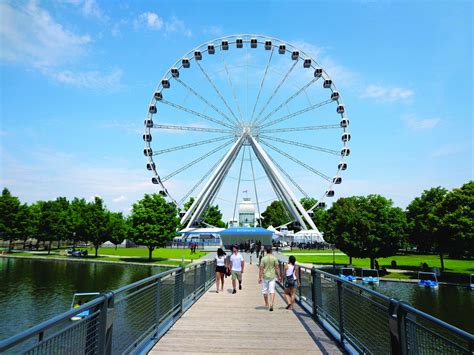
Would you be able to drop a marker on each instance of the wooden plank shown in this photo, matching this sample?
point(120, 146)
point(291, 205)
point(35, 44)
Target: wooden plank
point(240, 324)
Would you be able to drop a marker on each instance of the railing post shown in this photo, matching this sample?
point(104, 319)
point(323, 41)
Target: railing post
point(203, 276)
point(179, 288)
point(401, 320)
point(105, 328)
point(158, 302)
point(300, 289)
point(341, 310)
point(314, 293)
point(195, 281)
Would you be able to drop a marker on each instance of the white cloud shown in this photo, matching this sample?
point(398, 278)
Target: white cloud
point(88, 80)
point(417, 124)
point(153, 21)
point(119, 199)
point(385, 93)
point(341, 74)
point(452, 149)
point(213, 30)
point(31, 37)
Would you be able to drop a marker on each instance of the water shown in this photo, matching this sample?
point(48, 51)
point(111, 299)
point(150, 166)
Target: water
point(32, 291)
point(452, 304)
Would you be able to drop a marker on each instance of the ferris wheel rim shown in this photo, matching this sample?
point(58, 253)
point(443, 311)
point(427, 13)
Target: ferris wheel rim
point(246, 38)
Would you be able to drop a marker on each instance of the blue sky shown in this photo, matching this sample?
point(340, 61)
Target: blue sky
point(77, 76)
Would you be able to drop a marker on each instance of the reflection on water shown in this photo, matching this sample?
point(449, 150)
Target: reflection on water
point(454, 305)
point(32, 291)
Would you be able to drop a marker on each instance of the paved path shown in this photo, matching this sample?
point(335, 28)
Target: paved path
point(227, 323)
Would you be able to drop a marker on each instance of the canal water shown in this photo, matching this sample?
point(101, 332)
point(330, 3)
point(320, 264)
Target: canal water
point(452, 304)
point(32, 291)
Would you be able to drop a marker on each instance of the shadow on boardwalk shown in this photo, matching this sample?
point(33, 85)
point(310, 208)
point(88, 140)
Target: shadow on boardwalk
point(227, 323)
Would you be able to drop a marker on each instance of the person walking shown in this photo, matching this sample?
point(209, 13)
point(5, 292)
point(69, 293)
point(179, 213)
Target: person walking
point(236, 268)
point(268, 271)
point(221, 268)
point(291, 281)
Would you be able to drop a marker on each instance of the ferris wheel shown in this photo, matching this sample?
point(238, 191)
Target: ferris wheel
point(246, 112)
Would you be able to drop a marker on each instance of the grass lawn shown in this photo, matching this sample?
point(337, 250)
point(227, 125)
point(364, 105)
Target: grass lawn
point(310, 251)
point(408, 262)
point(161, 253)
point(107, 258)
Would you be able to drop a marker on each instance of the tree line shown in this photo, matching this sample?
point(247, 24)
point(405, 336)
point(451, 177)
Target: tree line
point(439, 221)
point(152, 222)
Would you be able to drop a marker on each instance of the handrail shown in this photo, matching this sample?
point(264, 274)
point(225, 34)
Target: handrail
point(102, 314)
point(37, 329)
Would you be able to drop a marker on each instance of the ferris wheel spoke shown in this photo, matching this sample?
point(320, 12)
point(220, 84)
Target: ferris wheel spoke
point(288, 176)
point(190, 145)
point(255, 187)
point(299, 162)
point(303, 145)
point(203, 99)
point(297, 113)
point(275, 91)
point(236, 100)
point(238, 183)
point(216, 89)
point(284, 103)
point(261, 85)
point(297, 129)
point(191, 128)
point(195, 161)
point(195, 113)
point(201, 180)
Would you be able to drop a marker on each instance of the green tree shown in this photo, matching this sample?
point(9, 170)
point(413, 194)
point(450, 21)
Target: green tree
point(78, 211)
point(275, 215)
point(420, 233)
point(28, 217)
point(48, 222)
point(153, 222)
point(97, 223)
point(117, 227)
point(9, 209)
point(366, 227)
point(319, 214)
point(452, 223)
point(213, 216)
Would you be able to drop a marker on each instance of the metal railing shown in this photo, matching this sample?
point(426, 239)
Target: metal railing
point(365, 321)
point(128, 320)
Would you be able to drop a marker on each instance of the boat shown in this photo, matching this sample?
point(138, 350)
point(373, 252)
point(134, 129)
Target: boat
point(78, 300)
point(427, 279)
point(370, 276)
point(347, 273)
point(472, 281)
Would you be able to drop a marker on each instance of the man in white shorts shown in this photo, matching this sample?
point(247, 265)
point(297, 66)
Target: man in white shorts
point(236, 268)
point(269, 269)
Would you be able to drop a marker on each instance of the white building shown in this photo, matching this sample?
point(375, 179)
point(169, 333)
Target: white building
point(247, 213)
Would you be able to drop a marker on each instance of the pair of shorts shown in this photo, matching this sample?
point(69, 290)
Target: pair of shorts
point(236, 275)
point(268, 286)
point(221, 269)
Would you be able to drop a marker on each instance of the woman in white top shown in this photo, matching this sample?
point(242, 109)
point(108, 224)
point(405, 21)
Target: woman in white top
point(291, 281)
point(221, 268)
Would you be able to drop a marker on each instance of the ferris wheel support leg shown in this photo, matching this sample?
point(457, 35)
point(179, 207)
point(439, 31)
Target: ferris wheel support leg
point(193, 213)
point(287, 193)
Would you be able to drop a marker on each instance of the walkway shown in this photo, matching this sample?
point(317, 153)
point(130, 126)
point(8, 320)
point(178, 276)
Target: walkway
point(227, 323)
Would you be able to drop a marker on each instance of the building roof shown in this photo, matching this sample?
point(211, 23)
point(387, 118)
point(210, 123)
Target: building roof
point(201, 230)
point(246, 231)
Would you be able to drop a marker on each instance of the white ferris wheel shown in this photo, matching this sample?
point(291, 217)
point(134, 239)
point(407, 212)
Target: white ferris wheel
point(246, 112)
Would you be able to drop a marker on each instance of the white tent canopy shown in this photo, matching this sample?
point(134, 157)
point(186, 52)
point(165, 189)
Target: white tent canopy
point(201, 230)
point(309, 235)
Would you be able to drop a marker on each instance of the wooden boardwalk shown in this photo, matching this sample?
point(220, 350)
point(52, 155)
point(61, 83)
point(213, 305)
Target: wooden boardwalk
point(240, 324)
